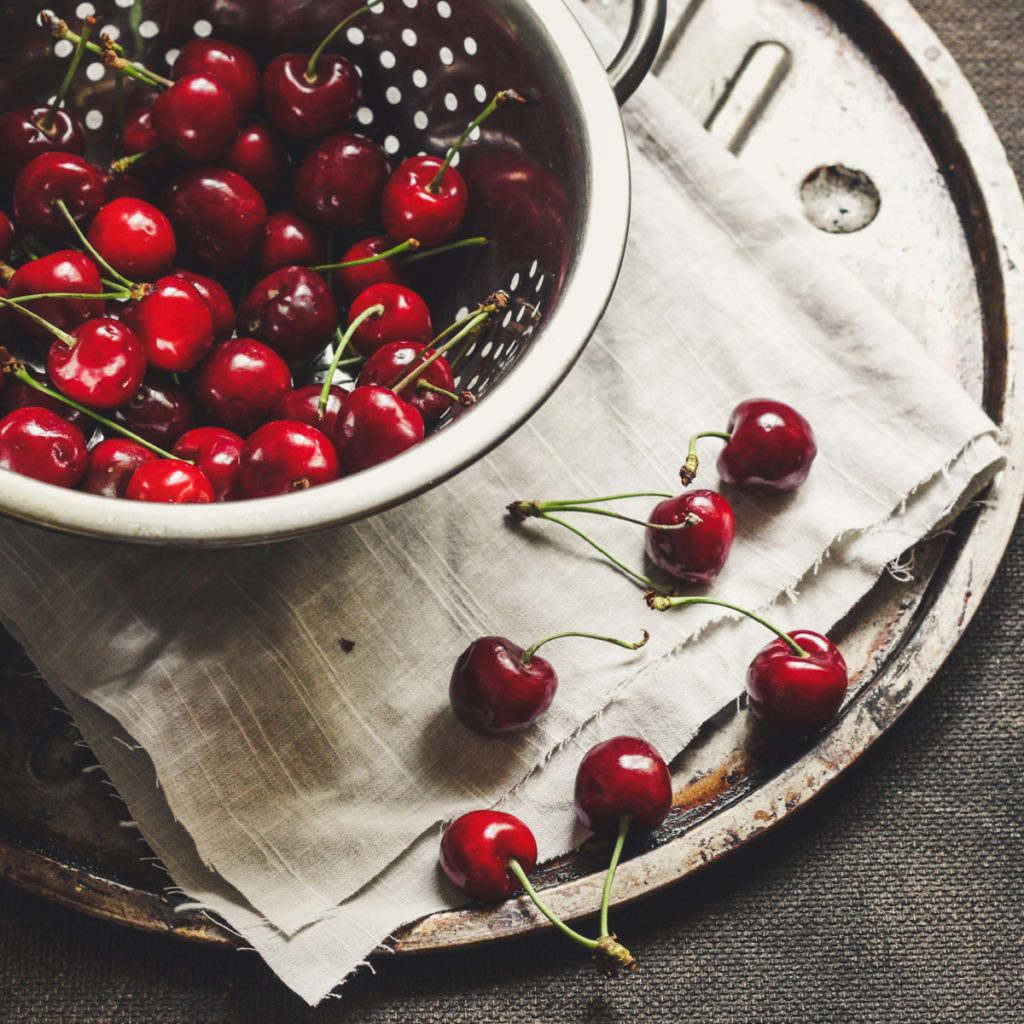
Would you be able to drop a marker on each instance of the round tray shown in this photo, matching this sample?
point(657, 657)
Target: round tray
point(858, 95)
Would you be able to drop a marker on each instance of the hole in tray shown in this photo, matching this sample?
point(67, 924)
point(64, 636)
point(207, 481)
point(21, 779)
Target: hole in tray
point(839, 199)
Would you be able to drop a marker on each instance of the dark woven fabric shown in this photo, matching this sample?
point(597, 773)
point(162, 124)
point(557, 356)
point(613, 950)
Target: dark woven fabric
point(896, 897)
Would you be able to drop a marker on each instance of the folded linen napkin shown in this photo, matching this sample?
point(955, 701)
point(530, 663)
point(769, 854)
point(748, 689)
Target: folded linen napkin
point(298, 788)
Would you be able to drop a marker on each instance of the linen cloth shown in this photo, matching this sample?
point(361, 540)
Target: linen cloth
point(299, 789)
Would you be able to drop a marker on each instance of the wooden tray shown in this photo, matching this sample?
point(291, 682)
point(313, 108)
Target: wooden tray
point(853, 109)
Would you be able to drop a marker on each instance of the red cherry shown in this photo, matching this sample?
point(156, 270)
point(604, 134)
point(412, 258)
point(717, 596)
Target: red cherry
point(103, 368)
point(22, 140)
point(111, 464)
point(693, 555)
point(217, 300)
point(770, 448)
point(196, 118)
point(410, 208)
point(141, 137)
point(6, 235)
point(391, 362)
point(171, 481)
point(231, 65)
point(38, 443)
point(288, 241)
point(173, 323)
point(64, 271)
point(348, 282)
point(303, 405)
point(797, 695)
point(239, 383)
point(259, 156)
point(494, 693)
point(53, 176)
point(159, 411)
point(406, 317)
point(476, 849)
point(284, 456)
point(19, 395)
point(217, 452)
point(375, 425)
point(134, 237)
point(306, 107)
point(622, 777)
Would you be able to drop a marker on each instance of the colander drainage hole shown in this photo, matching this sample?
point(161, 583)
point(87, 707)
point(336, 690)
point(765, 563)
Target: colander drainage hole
point(839, 199)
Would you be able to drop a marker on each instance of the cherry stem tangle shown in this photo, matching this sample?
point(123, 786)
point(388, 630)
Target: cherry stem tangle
point(119, 278)
point(689, 467)
point(46, 124)
point(310, 72)
point(527, 655)
point(343, 340)
point(609, 878)
point(111, 52)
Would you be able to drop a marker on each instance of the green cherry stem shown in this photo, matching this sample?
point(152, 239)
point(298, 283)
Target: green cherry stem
point(529, 509)
point(689, 468)
point(310, 72)
point(462, 243)
point(527, 655)
point(46, 124)
point(661, 602)
point(609, 878)
point(465, 398)
point(55, 331)
point(343, 340)
point(407, 246)
point(119, 278)
point(119, 294)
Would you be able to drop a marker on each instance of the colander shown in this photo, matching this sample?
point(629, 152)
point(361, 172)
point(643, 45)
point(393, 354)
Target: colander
point(550, 187)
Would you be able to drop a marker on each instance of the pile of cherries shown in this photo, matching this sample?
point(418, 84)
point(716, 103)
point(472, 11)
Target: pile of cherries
point(127, 367)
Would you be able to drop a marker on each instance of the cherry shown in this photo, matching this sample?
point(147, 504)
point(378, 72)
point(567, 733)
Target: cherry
point(174, 324)
point(143, 149)
point(391, 363)
point(111, 464)
point(134, 237)
point(303, 405)
point(196, 118)
point(217, 300)
point(406, 317)
point(217, 452)
point(101, 365)
point(258, 155)
point(159, 412)
point(284, 456)
point(375, 425)
point(288, 241)
point(239, 383)
point(476, 849)
point(694, 554)
point(22, 140)
point(292, 310)
point(411, 207)
point(217, 215)
point(6, 235)
point(57, 176)
point(17, 394)
point(339, 183)
point(66, 271)
point(348, 281)
point(170, 480)
point(38, 443)
point(769, 447)
point(233, 66)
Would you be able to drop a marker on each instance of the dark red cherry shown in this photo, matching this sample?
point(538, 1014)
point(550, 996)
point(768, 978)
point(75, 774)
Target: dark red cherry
point(693, 555)
point(38, 443)
point(406, 317)
point(259, 156)
point(125, 186)
point(390, 364)
point(231, 65)
point(796, 695)
point(239, 383)
point(307, 107)
point(288, 241)
point(284, 456)
point(141, 137)
point(196, 118)
point(53, 176)
point(159, 411)
point(494, 693)
point(411, 208)
point(217, 452)
point(770, 447)
point(16, 394)
point(64, 271)
point(303, 405)
point(622, 777)
point(173, 323)
point(476, 849)
point(217, 215)
point(103, 368)
point(292, 310)
point(375, 425)
point(6, 236)
point(217, 300)
point(111, 464)
point(171, 481)
point(134, 237)
point(339, 184)
point(22, 140)
point(348, 282)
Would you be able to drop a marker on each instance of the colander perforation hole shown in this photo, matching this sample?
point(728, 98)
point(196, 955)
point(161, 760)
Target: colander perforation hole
point(85, 10)
point(419, 78)
point(94, 119)
point(469, 45)
point(387, 59)
point(444, 9)
point(171, 56)
point(149, 29)
point(409, 37)
point(364, 115)
point(95, 71)
point(202, 28)
point(446, 56)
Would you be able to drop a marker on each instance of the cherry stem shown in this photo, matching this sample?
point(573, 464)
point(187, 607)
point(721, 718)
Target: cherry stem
point(343, 340)
point(462, 243)
point(517, 869)
point(46, 125)
point(462, 399)
point(660, 602)
point(689, 468)
point(500, 98)
point(111, 53)
point(120, 294)
point(527, 655)
point(528, 509)
point(610, 876)
point(406, 246)
point(120, 278)
point(56, 331)
point(310, 73)
point(123, 163)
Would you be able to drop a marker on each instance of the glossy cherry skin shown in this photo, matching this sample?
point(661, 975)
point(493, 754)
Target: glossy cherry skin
point(375, 425)
point(103, 368)
point(694, 555)
point(196, 118)
point(171, 481)
point(239, 383)
point(134, 237)
point(476, 849)
point(173, 323)
point(623, 776)
point(141, 137)
point(303, 405)
point(339, 184)
point(64, 271)
point(217, 300)
point(217, 452)
point(38, 443)
point(217, 215)
point(292, 310)
point(284, 456)
point(771, 447)
point(409, 209)
point(406, 317)
point(348, 282)
point(259, 156)
point(234, 67)
point(493, 693)
point(111, 464)
point(22, 140)
point(795, 695)
point(159, 411)
point(53, 176)
point(391, 362)
point(306, 110)
point(288, 241)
